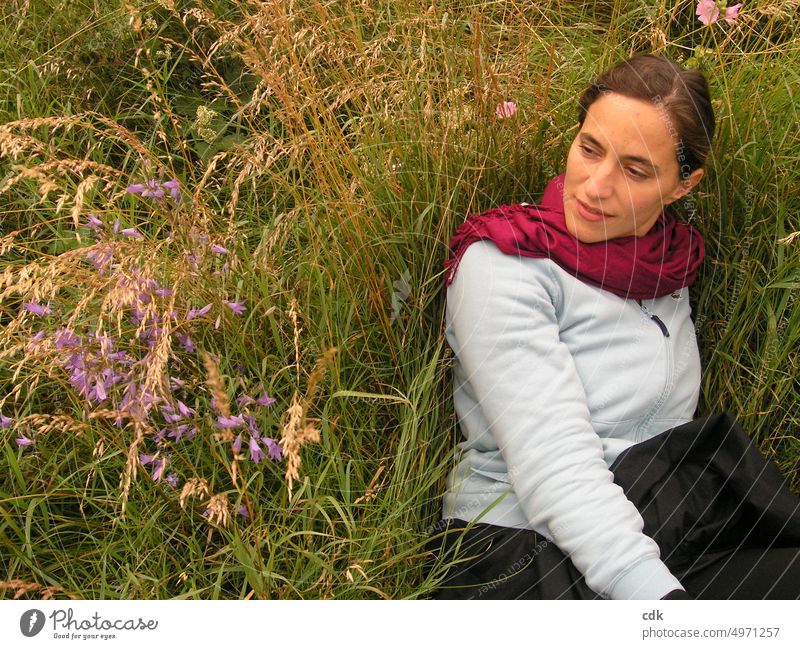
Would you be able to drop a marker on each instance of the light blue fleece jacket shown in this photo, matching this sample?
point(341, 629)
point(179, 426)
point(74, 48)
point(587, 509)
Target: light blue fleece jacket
point(553, 378)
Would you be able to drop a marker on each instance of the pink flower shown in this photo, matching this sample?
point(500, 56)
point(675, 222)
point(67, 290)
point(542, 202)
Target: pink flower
point(152, 189)
point(174, 188)
point(178, 432)
point(238, 308)
point(252, 426)
point(506, 110)
point(731, 13)
point(193, 313)
point(170, 416)
point(275, 450)
point(36, 308)
point(244, 400)
point(219, 249)
point(230, 422)
point(132, 233)
point(33, 346)
point(707, 12)
point(185, 410)
point(265, 399)
point(94, 223)
point(136, 188)
point(23, 441)
point(66, 338)
point(256, 454)
point(186, 342)
point(101, 257)
point(158, 468)
point(155, 189)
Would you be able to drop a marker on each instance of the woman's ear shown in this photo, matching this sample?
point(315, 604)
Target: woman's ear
point(686, 185)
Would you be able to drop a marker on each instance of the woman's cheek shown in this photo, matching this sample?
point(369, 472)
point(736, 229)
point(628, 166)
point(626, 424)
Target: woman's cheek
point(641, 206)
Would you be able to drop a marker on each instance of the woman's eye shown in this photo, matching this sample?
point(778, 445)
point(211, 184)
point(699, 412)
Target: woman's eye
point(636, 173)
point(586, 149)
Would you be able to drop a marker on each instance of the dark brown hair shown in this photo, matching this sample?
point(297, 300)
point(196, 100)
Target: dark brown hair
point(683, 94)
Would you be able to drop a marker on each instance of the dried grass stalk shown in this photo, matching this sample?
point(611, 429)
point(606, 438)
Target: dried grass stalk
point(21, 588)
point(42, 423)
point(299, 430)
point(218, 510)
point(193, 487)
point(219, 398)
point(131, 464)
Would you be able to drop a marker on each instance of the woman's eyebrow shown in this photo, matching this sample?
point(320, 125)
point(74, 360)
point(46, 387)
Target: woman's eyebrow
point(627, 158)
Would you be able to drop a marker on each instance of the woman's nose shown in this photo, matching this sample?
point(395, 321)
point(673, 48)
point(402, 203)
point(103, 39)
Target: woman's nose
point(599, 185)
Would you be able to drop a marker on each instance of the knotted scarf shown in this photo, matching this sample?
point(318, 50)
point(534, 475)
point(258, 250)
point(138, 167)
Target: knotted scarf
point(662, 261)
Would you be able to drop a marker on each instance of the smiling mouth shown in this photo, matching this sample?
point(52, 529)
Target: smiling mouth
point(590, 211)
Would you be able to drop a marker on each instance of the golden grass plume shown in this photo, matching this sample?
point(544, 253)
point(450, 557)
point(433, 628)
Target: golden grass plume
point(299, 430)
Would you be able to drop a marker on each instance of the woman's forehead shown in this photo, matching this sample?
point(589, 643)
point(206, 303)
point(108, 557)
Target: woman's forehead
point(632, 128)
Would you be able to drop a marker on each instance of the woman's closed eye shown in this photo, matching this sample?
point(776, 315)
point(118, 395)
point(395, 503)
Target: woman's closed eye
point(636, 174)
point(633, 172)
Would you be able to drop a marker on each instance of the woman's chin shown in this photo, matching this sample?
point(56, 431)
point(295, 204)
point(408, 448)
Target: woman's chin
point(582, 231)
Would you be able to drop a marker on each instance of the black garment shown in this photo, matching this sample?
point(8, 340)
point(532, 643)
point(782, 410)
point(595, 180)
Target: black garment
point(726, 523)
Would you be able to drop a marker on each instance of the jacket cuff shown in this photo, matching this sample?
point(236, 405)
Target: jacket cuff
point(648, 579)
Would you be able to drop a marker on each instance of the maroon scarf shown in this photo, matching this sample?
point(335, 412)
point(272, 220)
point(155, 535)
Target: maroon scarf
point(662, 261)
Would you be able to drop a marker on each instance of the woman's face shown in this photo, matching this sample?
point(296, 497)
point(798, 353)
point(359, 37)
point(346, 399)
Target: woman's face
point(622, 170)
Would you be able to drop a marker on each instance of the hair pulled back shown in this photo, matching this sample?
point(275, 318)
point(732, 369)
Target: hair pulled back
point(681, 93)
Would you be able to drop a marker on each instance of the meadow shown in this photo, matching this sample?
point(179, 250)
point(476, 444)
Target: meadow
point(223, 224)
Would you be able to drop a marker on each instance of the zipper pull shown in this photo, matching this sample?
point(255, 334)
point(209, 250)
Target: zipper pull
point(655, 319)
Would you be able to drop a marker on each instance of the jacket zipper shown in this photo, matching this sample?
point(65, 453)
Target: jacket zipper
point(654, 318)
point(669, 378)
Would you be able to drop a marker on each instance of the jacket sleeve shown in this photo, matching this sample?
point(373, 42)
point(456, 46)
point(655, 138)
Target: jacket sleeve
point(506, 331)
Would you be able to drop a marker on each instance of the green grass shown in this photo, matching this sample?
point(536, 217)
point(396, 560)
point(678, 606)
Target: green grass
point(344, 148)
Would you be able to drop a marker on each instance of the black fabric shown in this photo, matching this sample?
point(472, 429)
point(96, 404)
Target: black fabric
point(504, 563)
point(722, 515)
point(747, 573)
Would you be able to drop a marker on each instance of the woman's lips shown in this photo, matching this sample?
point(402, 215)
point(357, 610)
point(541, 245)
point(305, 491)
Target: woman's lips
point(587, 214)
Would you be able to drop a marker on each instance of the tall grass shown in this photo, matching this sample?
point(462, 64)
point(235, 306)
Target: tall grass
point(330, 149)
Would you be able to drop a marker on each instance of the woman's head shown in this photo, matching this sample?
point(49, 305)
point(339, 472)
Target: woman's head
point(645, 131)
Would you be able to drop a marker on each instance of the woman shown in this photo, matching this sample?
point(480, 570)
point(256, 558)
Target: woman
point(582, 474)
